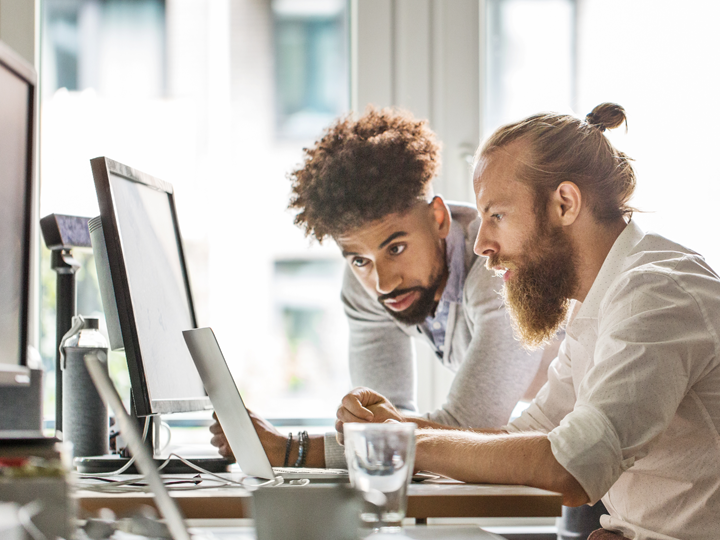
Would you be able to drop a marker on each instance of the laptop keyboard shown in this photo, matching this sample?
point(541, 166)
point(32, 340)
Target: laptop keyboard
point(295, 471)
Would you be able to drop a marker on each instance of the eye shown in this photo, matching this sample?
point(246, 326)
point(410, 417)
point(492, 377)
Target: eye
point(497, 217)
point(359, 262)
point(397, 249)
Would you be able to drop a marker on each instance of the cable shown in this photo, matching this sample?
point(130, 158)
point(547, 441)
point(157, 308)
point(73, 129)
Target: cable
point(166, 426)
point(124, 467)
point(173, 483)
point(276, 481)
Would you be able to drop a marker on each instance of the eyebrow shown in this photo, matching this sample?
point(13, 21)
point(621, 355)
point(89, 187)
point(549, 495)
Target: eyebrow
point(393, 236)
point(487, 207)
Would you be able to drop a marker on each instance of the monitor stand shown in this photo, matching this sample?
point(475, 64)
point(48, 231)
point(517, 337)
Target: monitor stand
point(113, 462)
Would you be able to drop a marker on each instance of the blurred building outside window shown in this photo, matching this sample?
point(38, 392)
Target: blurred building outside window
point(311, 50)
point(196, 93)
point(218, 97)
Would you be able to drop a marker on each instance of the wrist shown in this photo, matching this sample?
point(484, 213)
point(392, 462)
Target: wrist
point(424, 453)
point(421, 422)
point(291, 449)
point(315, 451)
point(303, 448)
point(276, 452)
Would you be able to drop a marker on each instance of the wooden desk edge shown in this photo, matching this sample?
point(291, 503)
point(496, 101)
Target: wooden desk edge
point(204, 505)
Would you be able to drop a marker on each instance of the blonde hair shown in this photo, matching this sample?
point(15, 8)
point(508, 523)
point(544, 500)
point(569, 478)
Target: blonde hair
point(563, 148)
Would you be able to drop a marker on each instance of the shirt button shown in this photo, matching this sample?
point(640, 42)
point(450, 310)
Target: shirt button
point(436, 325)
point(441, 347)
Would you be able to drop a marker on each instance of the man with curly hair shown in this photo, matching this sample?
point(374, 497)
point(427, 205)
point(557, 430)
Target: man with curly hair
point(411, 273)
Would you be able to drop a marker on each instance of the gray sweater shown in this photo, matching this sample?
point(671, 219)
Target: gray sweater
point(492, 369)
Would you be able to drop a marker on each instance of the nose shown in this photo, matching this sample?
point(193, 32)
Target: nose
point(387, 279)
point(485, 245)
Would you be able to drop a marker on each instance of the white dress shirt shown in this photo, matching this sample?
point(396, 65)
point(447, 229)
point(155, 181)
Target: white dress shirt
point(632, 402)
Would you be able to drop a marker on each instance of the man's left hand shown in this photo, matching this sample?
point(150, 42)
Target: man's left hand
point(365, 405)
point(272, 440)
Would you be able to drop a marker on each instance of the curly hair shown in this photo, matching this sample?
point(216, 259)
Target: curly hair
point(362, 170)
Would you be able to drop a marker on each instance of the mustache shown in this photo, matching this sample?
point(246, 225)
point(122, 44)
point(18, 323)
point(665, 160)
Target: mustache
point(394, 294)
point(496, 260)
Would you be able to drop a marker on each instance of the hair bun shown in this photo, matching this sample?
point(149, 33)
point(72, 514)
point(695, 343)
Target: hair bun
point(607, 116)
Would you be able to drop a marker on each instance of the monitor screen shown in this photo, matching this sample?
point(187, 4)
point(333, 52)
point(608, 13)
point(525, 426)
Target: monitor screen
point(150, 286)
point(17, 95)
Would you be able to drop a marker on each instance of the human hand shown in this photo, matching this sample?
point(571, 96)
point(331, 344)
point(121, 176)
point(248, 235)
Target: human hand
point(219, 440)
point(272, 440)
point(364, 405)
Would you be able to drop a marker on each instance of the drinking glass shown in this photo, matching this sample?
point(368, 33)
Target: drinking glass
point(380, 461)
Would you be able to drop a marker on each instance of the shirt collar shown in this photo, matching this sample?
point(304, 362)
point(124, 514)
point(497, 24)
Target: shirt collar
point(455, 259)
point(614, 263)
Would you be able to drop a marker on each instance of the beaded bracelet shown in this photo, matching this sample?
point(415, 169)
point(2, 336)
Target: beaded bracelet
point(304, 440)
point(287, 450)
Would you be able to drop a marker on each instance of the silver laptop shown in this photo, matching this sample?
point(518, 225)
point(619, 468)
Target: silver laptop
point(335, 511)
point(233, 415)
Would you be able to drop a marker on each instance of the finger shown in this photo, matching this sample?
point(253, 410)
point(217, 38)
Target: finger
point(345, 416)
point(366, 396)
point(353, 404)
point(342, 414)
point(218, 441)
point(215, 428)
point(339, 426)
point(225, 452)
point(215, 416)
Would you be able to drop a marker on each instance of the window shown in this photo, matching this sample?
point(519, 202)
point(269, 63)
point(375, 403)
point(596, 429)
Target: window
point(571, 55)
point(658, 63)
point(186, 91)
point(310, 64)
point(530, 59)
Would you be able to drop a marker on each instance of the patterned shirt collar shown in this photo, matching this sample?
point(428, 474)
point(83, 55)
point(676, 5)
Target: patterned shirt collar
point(455, 258)
point(435, 325)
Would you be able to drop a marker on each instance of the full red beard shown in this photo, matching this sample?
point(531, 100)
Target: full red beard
point(538, 291)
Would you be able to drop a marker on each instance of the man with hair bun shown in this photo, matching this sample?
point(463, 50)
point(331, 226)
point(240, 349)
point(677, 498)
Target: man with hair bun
point(631, 409)
point(411, 273)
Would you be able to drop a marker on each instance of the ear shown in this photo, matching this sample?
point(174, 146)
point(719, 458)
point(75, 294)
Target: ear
point(441, 213)
point(565, 204)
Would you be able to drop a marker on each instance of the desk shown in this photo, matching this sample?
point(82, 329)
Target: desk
point(447, 499)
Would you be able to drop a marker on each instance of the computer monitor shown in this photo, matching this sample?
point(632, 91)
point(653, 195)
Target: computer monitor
point(17, 120)
point(147, 298)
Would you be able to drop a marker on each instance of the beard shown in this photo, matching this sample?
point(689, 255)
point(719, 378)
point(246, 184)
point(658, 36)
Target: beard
point(421, 308)
point(538, 293)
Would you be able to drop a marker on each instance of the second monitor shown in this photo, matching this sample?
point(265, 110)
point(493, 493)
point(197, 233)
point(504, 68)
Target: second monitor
point(147, 296)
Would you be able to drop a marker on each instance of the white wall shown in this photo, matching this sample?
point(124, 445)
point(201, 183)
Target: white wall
point(19, 27)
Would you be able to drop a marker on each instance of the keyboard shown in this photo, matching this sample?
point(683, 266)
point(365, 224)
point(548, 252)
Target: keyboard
point(326, 475)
